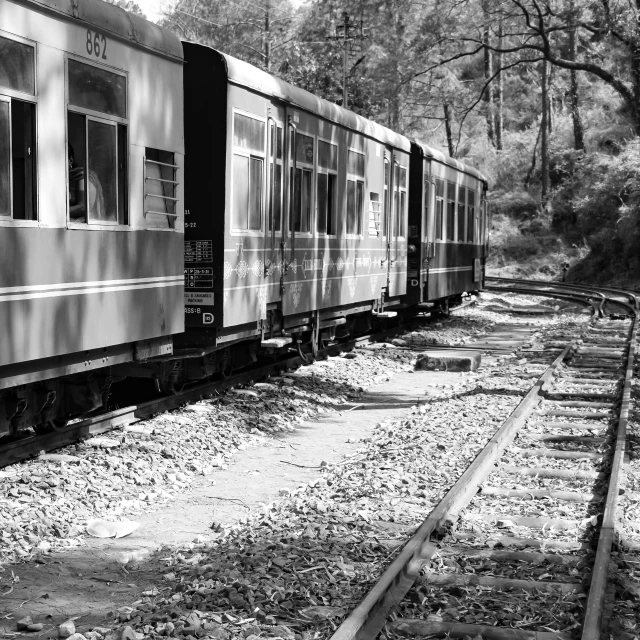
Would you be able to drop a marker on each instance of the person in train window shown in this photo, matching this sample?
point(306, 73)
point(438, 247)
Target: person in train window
point(77, 193)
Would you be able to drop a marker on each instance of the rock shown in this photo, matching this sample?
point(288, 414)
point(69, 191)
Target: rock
point(127, 633)
point(218, 633)
point(449, 361)
point(76, 636)
point(102, 443)
point(24, 623)
point(66, 629)
point(35, 627)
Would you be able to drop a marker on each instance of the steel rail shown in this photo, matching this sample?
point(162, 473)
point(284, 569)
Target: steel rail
point(529, 284)
point(368, 618)
point(549, 293)
point(632, 295)
point(599, 577)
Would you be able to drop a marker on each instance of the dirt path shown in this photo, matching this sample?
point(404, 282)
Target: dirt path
point(91, 582)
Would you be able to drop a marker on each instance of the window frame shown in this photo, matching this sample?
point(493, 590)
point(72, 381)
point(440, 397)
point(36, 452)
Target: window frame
point(101, 117)
point(461, 215)
point(249, 153)
point(328, 172)
point(312, 189)
point(426, 207)
point(114, 125)
point(440, 211)
point(450, 234)
point(274, 160)
point(399, 215)
point(355, 178)
point(386, 196)
point(8, 95)
point(471, 219)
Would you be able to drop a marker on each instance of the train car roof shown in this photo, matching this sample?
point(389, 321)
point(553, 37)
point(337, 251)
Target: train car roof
point(443, 158)
point(115, 21)
point(246, 75)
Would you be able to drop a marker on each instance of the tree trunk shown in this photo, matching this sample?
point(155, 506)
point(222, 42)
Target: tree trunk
point(532, 168)
point(500, 90)
point(488, 73)
point(578, 128)
point(544, 136)
point(447, 127)
point(635, 67)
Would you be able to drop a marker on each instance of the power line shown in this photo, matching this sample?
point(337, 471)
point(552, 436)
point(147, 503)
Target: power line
point(347, 32)
point(215, 24)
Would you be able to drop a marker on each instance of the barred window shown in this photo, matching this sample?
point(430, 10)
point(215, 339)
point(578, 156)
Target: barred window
point(160, 184)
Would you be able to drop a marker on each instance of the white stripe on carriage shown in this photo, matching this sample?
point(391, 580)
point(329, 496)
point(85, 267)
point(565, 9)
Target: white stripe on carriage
point(450, 269)
point(81, 292)
point(320, 280)
point(61, 286)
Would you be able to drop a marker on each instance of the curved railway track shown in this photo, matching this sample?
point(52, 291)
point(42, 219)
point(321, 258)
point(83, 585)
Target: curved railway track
point(570, 431)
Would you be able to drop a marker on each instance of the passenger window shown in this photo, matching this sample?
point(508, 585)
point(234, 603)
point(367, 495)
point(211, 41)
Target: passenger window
point(302, 190)
point(461, 213)
point(275, 176)
point(385, 222)
point(375, 214)
point(439, 209)
point(97, 89)
point(5, 158)
point(97, 145)
point(17, 132)
point(355, 191)
point(327, 187)
point(471, 215)
point(17, 66)
point(248, 171)
point(160, 184)
point(400, 198)
point(17, 159)
point(451, 211)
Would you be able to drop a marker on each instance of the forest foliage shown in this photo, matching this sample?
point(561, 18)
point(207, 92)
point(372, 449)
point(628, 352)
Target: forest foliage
point(541, 96)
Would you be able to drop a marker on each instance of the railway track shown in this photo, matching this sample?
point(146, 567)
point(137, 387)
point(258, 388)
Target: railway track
point(531, 524)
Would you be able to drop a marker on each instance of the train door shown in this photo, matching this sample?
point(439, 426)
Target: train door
point(387, 216)
point(427, 228)
point(274, 241)
point(398, 217)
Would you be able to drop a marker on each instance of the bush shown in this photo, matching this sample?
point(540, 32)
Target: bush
point(598, 204)
point(516, 204)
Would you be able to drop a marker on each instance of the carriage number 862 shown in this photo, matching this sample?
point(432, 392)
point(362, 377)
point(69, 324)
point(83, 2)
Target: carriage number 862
point(96, 45)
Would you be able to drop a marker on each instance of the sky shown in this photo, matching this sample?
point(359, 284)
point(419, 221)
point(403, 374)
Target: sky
point(153, 8)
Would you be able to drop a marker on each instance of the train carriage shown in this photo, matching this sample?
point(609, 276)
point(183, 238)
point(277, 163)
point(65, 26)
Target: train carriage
point(295, 208)
point(447, 228)
point(91, 220)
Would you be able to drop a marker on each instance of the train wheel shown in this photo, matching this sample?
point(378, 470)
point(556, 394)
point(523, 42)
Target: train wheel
point(42, 429)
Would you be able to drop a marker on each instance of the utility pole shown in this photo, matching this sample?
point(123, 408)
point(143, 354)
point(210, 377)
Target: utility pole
point(267, 38)
point(348, 32)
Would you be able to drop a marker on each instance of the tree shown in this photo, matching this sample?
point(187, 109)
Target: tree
point(607, 40)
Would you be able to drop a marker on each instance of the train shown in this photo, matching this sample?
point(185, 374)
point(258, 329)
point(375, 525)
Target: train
point(171, 213)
